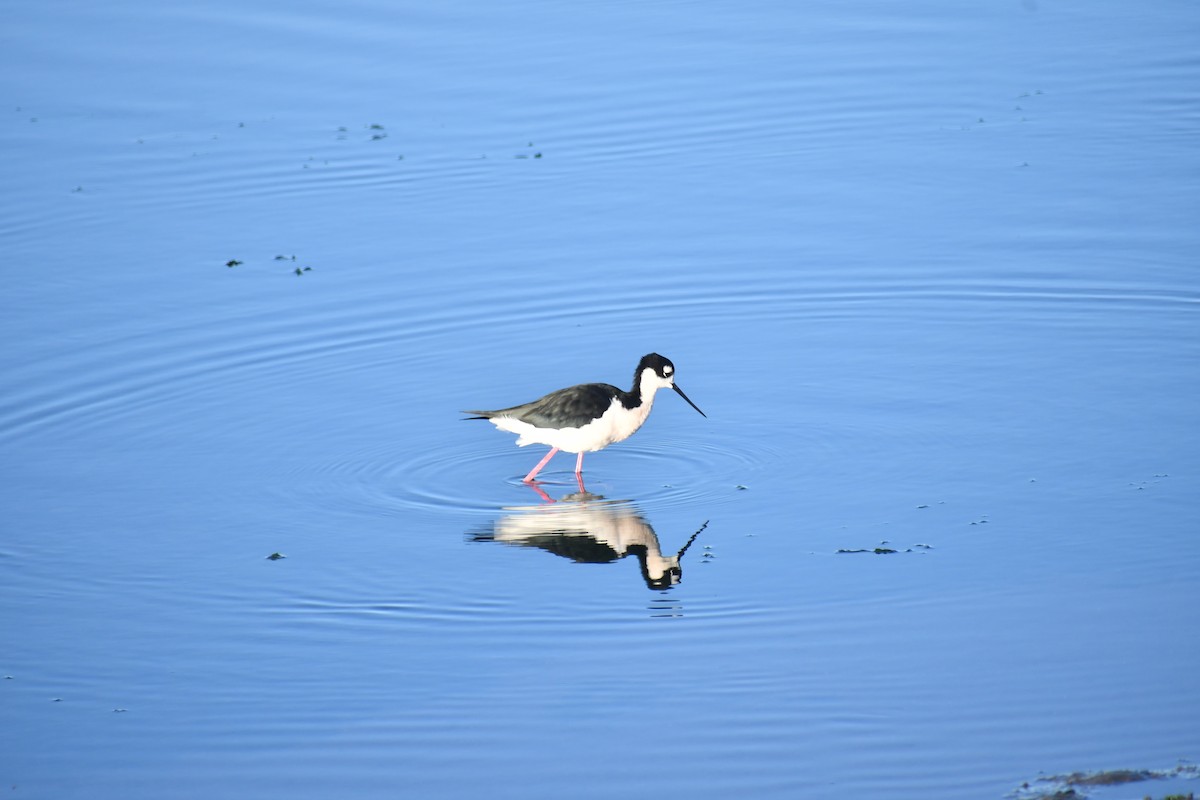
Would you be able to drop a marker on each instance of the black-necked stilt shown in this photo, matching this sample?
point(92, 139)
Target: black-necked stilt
point(588, 417)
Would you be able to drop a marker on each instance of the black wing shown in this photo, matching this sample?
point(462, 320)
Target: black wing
point(567, 408)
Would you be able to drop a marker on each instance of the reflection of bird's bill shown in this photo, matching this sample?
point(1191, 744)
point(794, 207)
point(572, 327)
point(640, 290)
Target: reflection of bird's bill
point(691, 539)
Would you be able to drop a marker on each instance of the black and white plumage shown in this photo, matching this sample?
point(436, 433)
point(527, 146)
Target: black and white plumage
point(588, 417)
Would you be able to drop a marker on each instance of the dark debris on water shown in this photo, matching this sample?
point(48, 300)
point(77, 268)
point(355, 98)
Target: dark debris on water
point(1071, 786)
point(881, 550)
point(234, 262)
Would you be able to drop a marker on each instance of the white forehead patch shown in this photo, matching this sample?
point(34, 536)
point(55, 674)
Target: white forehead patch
point(668, 369)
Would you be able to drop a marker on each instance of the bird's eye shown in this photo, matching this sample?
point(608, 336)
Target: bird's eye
point(667, 370)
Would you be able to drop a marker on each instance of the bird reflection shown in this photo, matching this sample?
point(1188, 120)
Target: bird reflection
point(588, 529)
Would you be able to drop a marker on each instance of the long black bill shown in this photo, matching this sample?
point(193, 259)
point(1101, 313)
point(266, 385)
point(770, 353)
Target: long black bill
point(689, 402)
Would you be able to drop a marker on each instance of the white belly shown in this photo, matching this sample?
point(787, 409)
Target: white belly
point(616, 424)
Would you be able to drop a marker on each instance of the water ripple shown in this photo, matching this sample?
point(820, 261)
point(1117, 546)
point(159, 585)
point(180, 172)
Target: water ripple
point(474, 477)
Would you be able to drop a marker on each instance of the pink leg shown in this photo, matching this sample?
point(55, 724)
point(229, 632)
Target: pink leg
point(579, 465)
point(541, 464)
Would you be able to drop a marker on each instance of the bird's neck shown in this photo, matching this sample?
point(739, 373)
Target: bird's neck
point(642, 393)
point(643, 390)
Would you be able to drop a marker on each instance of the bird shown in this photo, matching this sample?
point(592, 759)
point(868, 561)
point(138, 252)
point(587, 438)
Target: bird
point(588, 417)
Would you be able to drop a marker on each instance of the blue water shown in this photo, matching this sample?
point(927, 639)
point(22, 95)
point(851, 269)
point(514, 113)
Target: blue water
point(929, 269)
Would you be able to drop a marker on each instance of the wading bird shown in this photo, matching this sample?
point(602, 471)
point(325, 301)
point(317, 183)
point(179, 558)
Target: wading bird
point(588, 417)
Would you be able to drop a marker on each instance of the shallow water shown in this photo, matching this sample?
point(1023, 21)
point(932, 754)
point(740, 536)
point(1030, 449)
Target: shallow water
point(930, 271)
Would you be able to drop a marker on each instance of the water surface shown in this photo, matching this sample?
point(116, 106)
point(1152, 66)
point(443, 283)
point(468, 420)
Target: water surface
point(930, 271)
